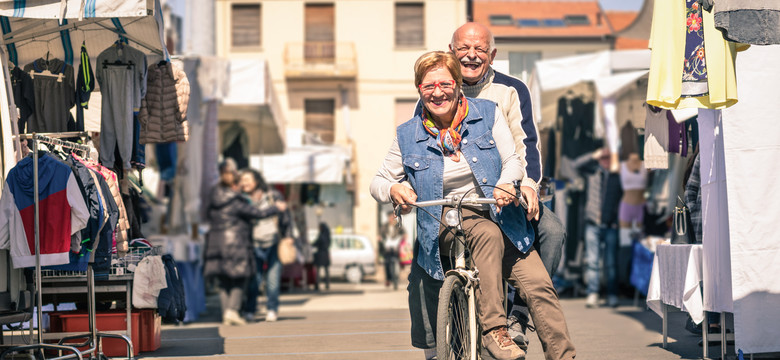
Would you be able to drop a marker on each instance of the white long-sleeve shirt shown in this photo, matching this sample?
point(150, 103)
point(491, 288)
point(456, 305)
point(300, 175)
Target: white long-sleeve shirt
point(458, 178)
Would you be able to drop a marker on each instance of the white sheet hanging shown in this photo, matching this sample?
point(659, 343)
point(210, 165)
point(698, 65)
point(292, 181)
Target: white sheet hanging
point(716, 261)
point(752, 148)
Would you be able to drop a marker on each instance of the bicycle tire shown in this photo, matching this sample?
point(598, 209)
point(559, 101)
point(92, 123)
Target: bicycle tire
point(453, 338)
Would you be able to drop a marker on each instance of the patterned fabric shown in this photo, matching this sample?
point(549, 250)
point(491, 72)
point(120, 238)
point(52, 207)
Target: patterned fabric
point(693, 197)
point(449, 138)
point(695, 67)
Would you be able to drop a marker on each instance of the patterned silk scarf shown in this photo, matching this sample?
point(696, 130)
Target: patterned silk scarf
point(449, 138)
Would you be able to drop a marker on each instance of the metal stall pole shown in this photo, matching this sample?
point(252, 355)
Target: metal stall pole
point(38, 284)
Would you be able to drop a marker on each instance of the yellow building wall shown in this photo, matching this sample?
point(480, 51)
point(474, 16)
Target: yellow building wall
point(384, 74)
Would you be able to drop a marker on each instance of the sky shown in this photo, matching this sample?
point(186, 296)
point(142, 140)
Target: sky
point(621, 4)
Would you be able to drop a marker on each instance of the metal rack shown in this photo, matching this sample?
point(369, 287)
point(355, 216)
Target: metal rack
point(93, 337)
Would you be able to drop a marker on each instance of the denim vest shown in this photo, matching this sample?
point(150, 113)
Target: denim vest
point(424, 168)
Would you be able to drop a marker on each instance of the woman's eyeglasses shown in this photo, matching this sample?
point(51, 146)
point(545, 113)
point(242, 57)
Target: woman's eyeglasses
point(447, 86)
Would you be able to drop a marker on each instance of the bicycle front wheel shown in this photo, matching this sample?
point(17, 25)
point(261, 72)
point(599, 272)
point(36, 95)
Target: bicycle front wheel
point(455, 322)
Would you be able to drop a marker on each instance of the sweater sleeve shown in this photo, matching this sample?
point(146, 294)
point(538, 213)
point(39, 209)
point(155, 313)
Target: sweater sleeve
point(391, 173)
point(79, 214)
point(7, 212)
point(519, 115)
point(511, 165)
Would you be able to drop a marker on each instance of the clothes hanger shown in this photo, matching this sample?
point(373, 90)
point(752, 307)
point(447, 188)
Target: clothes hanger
point(46, 72)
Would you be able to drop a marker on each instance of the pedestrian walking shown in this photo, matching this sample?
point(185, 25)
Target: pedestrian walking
point(266, 234)
point(389, 246)
point(228, 254)
point(322, 255)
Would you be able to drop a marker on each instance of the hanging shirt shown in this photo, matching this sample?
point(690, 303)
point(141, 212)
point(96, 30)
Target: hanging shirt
point(752, 22)
point(62, 210)
point(656, 139)
point(678, 136)
point(24, 96)
point(667, 41)
point(53, 98)
point(85, 83)
point(694, 75)
point(125, 55)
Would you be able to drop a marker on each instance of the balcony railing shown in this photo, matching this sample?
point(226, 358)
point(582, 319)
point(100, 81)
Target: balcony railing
point(320, 60)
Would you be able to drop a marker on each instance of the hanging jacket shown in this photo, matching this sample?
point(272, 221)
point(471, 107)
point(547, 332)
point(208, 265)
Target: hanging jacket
point(163, 114)
point(122, 224)
point(171, 303)
point(80, 256)
point(62, 210)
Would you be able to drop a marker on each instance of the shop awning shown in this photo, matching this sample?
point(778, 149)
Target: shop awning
point(251, 102)
point(318, 164)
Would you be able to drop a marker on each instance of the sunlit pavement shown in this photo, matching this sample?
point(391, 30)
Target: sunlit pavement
point(369, 321)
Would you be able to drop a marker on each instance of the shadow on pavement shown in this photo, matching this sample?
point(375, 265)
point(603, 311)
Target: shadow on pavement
point(189, 342)
point(680, 341)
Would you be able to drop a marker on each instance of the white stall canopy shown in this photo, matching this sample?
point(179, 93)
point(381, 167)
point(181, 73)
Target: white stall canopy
point(611, 72)
point(34, 28)
point(319, 164)
point(251, 103)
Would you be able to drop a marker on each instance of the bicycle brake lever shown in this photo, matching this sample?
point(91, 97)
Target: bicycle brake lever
point(397, 213)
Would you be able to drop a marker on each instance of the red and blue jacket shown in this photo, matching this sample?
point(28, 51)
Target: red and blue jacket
point(62, 212)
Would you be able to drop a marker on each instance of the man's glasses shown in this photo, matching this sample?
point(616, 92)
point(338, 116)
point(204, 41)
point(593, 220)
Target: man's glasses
point(447, 86)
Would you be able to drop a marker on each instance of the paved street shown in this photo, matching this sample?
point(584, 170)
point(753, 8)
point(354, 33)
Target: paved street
point(368, 321)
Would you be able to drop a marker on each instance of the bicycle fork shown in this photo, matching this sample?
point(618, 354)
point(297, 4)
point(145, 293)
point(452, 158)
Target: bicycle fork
point(472, 280)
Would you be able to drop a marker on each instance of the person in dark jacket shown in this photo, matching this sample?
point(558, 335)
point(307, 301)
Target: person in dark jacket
point(229, 251)
point(322, 254)
point(601, 212)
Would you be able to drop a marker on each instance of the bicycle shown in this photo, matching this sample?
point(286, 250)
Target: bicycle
point(457, 328)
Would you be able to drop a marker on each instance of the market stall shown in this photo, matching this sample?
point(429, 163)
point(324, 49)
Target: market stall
point(59, 53)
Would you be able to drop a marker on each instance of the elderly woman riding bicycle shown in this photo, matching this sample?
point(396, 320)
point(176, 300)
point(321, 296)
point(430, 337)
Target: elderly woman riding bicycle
point(453, 145)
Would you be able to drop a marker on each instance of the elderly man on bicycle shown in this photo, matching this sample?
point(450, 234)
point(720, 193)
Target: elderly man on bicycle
point(456, 144)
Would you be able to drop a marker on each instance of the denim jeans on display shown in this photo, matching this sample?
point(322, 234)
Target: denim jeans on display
point(595, 237)
point(270, 275)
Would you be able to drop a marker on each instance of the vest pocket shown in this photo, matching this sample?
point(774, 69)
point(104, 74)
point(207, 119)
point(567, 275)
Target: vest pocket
point(416, 162)
point(485, 141)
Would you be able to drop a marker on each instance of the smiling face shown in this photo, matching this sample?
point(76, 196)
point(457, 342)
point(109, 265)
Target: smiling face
point(247, 183)
point(442, 101)
point(473, 47)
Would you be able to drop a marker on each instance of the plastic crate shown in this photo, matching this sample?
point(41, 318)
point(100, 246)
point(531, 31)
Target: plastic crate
point(151, 330)
point(77, 321)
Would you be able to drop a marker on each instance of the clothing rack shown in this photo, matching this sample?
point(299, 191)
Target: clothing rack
point(93, 337)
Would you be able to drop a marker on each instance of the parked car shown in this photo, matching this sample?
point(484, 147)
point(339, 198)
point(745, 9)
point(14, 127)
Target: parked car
point(351, 256)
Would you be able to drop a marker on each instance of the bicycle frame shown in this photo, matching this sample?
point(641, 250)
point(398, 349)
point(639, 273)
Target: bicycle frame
point(469, 276)
point(460, 268)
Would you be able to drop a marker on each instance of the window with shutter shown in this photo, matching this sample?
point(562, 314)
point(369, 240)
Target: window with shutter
point(320, 118)
point(320, 33)
point(245, 22)
point(409, 25)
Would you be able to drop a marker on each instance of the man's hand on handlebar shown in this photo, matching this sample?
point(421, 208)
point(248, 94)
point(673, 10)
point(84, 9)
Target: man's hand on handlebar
point(505, 195)
point(529, 195)
point(401, 194)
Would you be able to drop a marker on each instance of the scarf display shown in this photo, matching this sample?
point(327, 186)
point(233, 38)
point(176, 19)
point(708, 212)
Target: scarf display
point(449, 138)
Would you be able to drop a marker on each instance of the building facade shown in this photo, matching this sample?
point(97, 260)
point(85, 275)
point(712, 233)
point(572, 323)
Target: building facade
point(530, 30)
point(342, 71)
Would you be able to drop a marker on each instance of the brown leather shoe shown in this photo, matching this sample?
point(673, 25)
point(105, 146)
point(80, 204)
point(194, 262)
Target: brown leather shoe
point(501, 346)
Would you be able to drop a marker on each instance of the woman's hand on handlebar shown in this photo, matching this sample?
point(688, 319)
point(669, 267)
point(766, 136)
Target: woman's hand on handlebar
point(401, 194)
point(505, 195)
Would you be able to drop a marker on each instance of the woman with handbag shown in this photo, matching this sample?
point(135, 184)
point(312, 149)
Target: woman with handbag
point(228, 254)
point(266, 236)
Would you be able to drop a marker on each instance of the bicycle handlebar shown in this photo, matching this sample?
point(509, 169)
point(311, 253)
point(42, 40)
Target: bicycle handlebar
point(455, 200)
